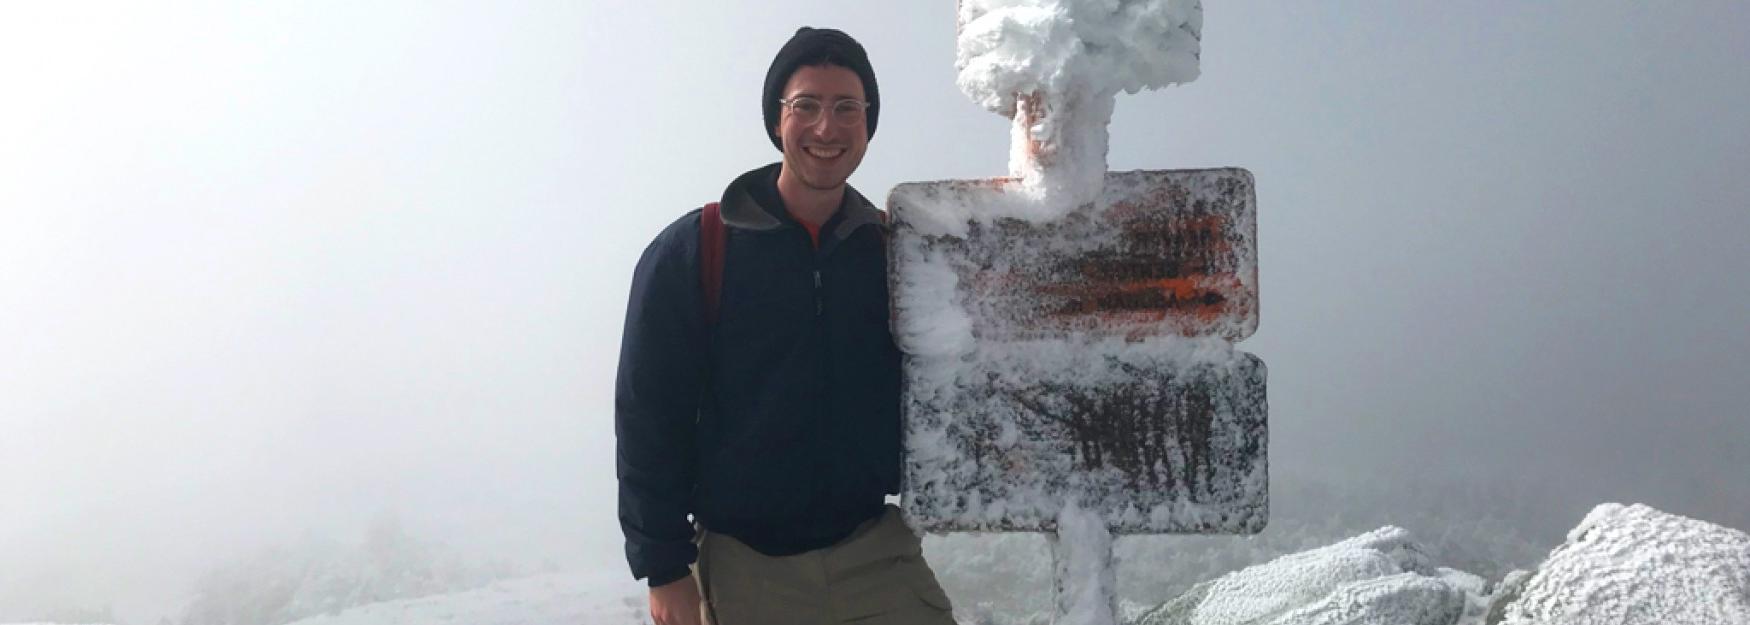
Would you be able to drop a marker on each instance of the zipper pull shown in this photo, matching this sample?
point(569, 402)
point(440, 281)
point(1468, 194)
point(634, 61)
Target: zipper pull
point(817, 303)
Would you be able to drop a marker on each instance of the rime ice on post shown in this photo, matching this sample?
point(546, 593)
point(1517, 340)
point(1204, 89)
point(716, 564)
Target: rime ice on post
point(1068, 332)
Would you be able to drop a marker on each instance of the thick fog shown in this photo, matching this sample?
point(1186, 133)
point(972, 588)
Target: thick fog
point(277, 273)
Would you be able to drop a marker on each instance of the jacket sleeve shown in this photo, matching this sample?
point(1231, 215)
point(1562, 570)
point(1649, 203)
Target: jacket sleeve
point(656, 402)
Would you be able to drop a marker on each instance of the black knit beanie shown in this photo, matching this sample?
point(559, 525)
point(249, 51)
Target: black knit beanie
point(817, 46)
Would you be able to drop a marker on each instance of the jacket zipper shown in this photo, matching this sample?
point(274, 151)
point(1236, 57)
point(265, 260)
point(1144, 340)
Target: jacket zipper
point(814, 262)
point(818, 306)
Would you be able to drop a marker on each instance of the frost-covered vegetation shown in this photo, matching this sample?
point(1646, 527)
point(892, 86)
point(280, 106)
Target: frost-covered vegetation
point(314, 577)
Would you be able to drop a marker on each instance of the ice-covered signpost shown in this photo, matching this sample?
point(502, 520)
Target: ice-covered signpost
point(1068, 332)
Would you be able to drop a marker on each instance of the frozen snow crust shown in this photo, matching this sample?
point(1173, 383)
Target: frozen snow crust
point(1634, 565)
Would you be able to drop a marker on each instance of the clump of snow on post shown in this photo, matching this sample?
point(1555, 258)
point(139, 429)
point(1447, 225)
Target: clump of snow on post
point(1054, 67)
point(1009, 47)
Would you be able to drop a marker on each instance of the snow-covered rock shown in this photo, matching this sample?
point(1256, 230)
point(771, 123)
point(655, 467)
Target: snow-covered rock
point(1379, 577)
point(1634, 565)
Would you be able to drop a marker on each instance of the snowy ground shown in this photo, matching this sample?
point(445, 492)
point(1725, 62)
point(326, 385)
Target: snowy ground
point(608, 598)
point(1636, 564)
point(1625, 565)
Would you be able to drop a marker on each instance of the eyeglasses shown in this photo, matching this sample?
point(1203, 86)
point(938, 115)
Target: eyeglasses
point(807, 110)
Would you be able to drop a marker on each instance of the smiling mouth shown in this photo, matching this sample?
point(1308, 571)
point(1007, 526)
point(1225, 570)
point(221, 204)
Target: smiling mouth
point(824, 153)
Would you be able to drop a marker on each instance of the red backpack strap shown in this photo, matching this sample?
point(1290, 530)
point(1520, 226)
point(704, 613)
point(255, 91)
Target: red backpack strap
point(711, 243)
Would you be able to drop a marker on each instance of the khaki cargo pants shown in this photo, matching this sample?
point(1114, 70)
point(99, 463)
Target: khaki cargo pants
point(876, 576)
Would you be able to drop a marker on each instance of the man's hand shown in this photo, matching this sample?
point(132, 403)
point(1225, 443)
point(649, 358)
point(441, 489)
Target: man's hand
point(676, 603)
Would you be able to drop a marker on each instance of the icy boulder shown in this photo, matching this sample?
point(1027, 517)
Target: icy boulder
point(1634, 565)
point(1380, 577)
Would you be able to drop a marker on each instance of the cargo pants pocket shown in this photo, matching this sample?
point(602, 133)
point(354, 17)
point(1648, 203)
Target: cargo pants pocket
point(882, 578)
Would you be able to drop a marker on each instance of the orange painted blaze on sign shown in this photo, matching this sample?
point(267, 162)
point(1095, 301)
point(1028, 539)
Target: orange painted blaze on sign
point(1158, 260)
point(1183, 278)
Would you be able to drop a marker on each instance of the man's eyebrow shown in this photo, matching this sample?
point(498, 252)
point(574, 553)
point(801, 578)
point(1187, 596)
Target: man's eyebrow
point(810, 94)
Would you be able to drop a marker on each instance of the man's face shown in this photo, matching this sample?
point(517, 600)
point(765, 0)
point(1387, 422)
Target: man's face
point(822, 155)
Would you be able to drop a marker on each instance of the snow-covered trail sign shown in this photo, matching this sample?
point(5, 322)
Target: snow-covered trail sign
point(1089, 361)
point(1068, 332)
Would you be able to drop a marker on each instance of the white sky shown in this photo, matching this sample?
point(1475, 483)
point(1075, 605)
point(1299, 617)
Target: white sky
point(273, 268)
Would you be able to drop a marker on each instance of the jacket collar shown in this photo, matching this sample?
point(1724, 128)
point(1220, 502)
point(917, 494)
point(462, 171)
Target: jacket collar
point(741, 209)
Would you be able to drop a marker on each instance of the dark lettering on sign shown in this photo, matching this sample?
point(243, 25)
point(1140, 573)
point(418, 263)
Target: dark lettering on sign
point(1139, 434)
point(1155, 433)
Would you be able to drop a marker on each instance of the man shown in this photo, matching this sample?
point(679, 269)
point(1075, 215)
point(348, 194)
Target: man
point(773, 422)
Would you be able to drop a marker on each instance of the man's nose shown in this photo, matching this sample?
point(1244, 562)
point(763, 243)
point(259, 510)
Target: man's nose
point(824, 127)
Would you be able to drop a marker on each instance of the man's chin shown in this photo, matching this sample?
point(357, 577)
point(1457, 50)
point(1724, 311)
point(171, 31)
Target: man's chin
point(815, 177)
point(826, 185)
point(824, 182)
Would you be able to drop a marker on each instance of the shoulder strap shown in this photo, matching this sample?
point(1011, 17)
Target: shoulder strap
point(711, 243)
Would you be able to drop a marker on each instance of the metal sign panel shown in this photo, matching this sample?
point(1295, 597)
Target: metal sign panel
point(1171, 252)
point(1100, 367)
